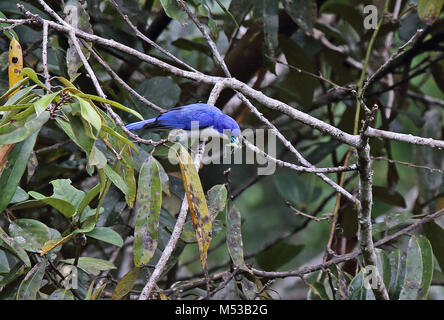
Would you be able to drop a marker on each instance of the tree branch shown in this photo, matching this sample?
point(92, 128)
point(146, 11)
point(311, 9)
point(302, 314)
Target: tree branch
point(346, 257)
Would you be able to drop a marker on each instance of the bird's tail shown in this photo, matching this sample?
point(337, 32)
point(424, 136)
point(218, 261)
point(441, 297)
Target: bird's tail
point(140, 124)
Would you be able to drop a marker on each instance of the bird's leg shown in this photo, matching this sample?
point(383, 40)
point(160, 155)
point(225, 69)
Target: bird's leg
point(198, 144)
point(182, 137)
point(177, 135)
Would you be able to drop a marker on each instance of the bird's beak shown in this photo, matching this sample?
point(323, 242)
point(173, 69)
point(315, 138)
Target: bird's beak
point(235, 143)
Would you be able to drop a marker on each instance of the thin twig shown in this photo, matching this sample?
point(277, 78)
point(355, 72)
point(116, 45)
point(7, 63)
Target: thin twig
point(294, 167)
point(53, 147)
point(408, 164)
point(346, 257)
point(45, 55)
point(376, 133)
point(382, 68)
point(148, 40)
point(426, 99)
point(222, 285)
point(319, 77)
point(120, 80)
point(18, 22)
point(235, 84)
point(288, 203)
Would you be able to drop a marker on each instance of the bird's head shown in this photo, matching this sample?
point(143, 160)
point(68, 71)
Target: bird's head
point(229, 127)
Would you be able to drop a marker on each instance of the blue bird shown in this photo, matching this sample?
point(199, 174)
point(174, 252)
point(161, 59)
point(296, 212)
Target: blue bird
point(208, 119)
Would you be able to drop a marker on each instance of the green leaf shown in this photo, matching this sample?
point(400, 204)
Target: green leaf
point(225, 10)
point(249, 288)
point(31, 283)
point(30, 127)
point(415, 262)
point(128, 174)
point(126, 284)
point(271, 27)
point(33, 76)
point(302, 12)
point(217, 199)
point(230, 291)
point(19, 94)
point(278, 255)
point(18, 270)
point(65, 197)
point(41, 104)
point(88, 198)
point(16, 107)
point(392, 198)
point(397, 266)
point(107, 129)
point(4, 264)
point(191, 46)
point(427, 266)
point(87, 226)
point(10, 176)
point(435, 234)
point(162, 91)
point(15, 248)
point(97, 158)
point(164, 179)
point(61, 294)
point(8, 33)
point(75, 130)
point(234, 237)
point(347, 11)
point(438, 72)
point(20, 195)
point(91, 266)
point(429, 10)
point(110, 102)
point(317, 292)
point(357, 289)
point(238, 9)
point(116, 179)
point(323, 150)
point(63, 206)
point(384, 268)
point(292, 187)
point(174, 10)
point(413, 272)
point(106, 235)
point(148, 204)
point(30, 234)
point(89, 113)
point(300, 85)
point(77, 17)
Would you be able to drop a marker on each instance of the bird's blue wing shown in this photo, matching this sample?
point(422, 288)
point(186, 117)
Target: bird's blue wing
point(199, 114)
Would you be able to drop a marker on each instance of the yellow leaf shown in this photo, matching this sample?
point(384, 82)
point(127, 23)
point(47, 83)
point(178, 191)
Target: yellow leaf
point(14, 69)
point(162, 296)
point(440, 204)
point(15, 63)
point(51, 244)
point(196, 200)
point(98, 292)
point(126, 284)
